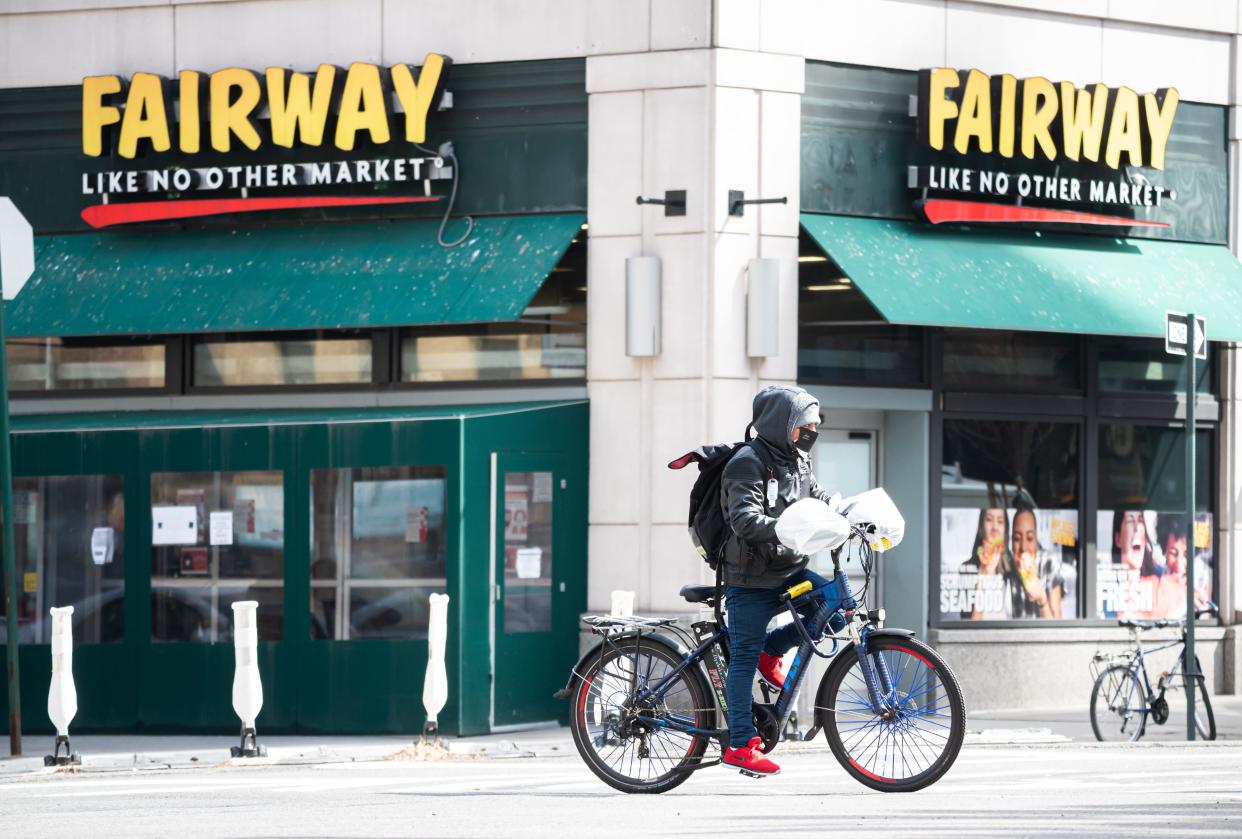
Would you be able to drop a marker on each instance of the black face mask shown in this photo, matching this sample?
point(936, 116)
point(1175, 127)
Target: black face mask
point(806, 439)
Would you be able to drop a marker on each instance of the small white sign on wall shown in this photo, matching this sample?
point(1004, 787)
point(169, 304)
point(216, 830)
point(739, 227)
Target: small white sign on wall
point(221, 527)
point(174, 525)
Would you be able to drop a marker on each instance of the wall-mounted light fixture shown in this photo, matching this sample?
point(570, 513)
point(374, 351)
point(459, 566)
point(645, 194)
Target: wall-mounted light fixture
point(673, 202)
point(642, 306)
point(738, 202)
point(763, 307)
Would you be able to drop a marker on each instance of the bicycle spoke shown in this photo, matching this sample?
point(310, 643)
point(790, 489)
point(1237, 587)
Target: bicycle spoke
point(635, 733)
point(907, 737)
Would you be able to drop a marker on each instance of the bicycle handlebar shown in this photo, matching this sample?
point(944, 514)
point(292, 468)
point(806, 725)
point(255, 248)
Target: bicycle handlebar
point(1212, 609)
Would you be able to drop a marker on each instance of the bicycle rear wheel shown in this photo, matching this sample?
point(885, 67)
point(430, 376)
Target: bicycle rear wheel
point(1118, 705)
point(627, 743)
point(912, 743)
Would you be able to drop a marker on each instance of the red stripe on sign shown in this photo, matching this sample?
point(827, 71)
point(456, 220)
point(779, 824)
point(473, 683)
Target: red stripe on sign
point(943, 210)
point(106, 215)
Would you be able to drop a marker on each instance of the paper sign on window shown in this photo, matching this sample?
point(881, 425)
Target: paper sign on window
point(174, 525)
point(529, 563)
point(221, 530)
point(542, 490)
point(103, 545)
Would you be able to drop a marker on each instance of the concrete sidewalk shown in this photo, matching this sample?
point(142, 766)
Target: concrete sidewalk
point(154, 752)
point(1074, 724)
point(136, 753)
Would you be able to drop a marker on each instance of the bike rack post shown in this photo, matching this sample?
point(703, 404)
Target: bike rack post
point(247, 687)
point(435, 684)
point(62, 694)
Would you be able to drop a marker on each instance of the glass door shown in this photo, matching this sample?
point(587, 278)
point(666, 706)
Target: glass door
point(530, 622)
point(846, 463)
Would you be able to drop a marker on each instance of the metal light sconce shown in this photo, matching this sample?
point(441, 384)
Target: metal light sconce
point(763, 308)
point(738, 202)
point(642, 306)
point(673, 202)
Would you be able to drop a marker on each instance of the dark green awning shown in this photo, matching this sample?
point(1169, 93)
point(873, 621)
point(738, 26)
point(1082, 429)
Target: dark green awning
point(279, 278)
point(1021, 280)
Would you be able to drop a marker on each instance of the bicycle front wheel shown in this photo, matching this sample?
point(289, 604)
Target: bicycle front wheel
point(1118, 705)
point(632, 743)
point(913, 739)
point(1205, 720)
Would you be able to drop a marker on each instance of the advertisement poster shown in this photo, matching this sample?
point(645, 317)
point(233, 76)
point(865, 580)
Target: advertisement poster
point(517, 514)
point(259, 515)
point(1142, 563)
point(1008, 564)
point(416, 525)
point(194, 562)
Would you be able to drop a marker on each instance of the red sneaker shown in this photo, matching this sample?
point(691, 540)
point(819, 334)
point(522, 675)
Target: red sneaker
point(749, 760)
point(772, 668)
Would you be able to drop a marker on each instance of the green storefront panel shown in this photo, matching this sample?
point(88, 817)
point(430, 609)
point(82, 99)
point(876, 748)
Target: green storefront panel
point(286, 278)
point(915, 273)
point(310, 684)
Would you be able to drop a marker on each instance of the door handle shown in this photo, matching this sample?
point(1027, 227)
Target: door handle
point(496, 593)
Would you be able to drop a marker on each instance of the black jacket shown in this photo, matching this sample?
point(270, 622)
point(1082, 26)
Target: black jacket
point(753, 556)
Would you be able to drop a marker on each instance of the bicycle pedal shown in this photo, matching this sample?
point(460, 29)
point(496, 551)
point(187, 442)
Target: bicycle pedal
point(750, 774)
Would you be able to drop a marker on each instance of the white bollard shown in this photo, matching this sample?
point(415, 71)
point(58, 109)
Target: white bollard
point(62, 695)
point(247, 688)
point(435, 685)
point(622, 604)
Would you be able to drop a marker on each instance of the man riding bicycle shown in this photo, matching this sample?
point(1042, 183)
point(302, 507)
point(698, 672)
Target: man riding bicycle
point(759, 483)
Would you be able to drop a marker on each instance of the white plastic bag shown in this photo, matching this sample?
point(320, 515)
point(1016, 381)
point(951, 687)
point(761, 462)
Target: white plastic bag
point(875, 510)
point(809, 526)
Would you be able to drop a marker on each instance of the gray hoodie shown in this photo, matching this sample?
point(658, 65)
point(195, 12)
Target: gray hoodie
point(753, 556)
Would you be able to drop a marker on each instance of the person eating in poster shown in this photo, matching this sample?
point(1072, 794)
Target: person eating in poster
point(990, 566)
point(1038, 571)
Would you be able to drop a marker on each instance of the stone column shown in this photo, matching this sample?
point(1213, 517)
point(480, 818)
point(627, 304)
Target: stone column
point(704, 120)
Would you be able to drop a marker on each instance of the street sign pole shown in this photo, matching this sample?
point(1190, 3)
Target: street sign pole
point(16, 266)
point(1188, 558)
point(10, 551)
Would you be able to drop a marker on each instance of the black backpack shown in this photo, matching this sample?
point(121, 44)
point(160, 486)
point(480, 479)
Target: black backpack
point(708, 529)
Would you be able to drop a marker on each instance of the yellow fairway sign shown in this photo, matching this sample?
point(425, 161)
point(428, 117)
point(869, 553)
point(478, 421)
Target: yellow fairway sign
point(150, 113)
point(1035, 118)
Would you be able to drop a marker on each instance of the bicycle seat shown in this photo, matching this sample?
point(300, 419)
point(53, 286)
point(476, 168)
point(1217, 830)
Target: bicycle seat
point(699, 594)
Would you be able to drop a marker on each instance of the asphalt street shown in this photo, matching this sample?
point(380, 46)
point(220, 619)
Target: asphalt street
point(1079, 790)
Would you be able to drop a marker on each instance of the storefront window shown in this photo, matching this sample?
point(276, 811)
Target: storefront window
point(528, 552)
point(52, 364)
point(496, 354)
point(1141, 365)
point(1009, 534)
point(216, 537)
point(989, 360)
point(1142, 538)
point(883, 356)
point(69, 533)
point(377, 550)
point(342, 359)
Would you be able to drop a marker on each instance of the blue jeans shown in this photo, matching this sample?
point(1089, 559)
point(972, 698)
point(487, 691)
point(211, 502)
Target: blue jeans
point(750, 610)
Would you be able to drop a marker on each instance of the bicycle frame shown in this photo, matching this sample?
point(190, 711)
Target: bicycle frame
point(1139, 664)
point(879, 681)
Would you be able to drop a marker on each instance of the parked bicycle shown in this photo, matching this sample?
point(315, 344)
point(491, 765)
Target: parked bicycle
point(1123, 698)
point(645, 701)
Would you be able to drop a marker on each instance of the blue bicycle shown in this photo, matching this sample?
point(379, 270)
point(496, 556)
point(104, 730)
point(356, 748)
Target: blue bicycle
point(646, 702)
point(1123, 698)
